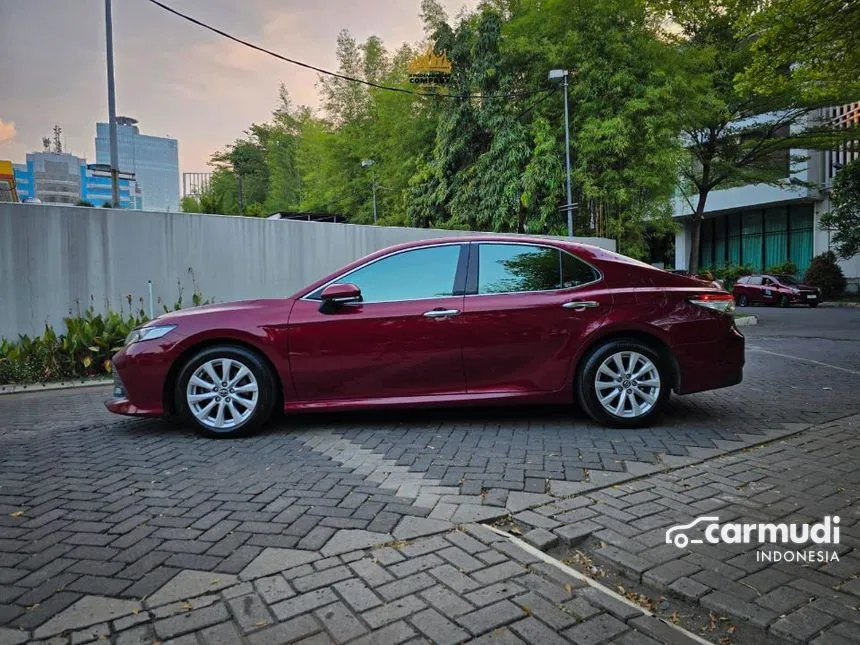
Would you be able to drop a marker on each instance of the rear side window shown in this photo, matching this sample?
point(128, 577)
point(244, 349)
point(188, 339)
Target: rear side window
point(743, 280)
point(755, 280)
point(512, 268)
point(575, 272)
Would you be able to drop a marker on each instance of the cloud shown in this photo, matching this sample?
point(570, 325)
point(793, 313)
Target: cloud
point(7, 130)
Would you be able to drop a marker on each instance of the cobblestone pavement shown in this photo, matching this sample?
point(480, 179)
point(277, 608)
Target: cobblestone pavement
point(800, 479)
point(99, 515)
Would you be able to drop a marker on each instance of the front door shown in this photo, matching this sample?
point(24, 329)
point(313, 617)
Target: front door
point(402, 340)
point(525, 309)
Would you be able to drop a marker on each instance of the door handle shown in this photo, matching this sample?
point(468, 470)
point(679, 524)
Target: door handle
point(581, 305)
point(441, 313)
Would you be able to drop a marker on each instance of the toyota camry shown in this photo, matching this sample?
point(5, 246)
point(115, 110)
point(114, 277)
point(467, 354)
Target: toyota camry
point(456, 321)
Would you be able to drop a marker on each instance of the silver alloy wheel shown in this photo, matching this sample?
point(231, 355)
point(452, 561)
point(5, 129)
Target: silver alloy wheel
point(222, 393)
point(627, 384)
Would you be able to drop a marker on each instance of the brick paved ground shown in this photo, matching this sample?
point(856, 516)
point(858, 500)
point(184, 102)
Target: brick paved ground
point(796, 480)
point(133, 511)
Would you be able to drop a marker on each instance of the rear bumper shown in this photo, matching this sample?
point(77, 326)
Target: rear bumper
point(711, 365)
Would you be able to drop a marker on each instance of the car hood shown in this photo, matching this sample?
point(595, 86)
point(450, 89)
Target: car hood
point(215, 309)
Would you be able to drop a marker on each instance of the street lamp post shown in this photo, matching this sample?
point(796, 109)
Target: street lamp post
point(368, 163)
point(564, 75)
point(114, 154)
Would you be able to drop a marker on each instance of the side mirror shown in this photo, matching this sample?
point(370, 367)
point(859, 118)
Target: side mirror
point(337, 293)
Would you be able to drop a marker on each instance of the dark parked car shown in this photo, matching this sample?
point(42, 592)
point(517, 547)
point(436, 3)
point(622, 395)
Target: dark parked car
point(779, 290)
point(441, 322)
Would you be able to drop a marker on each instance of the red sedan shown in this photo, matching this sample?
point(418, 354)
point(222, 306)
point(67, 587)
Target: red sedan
point(441, 322)
point(782, 290)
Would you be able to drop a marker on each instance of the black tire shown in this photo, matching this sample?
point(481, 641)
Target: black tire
point(586, 389)
point(813, 305)
point(265, 388)
point(783, 301)
point(742, 300)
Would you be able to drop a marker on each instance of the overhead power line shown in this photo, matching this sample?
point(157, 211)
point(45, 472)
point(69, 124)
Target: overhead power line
point(326, 72)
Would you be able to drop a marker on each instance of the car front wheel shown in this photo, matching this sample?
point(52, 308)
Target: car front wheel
point(623, 384)
point(225, 391)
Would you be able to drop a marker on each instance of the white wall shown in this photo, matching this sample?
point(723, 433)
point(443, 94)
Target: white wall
point(57, 259)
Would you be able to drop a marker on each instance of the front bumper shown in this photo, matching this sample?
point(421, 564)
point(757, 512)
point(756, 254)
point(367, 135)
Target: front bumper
point(805, 297)
point(139, 374)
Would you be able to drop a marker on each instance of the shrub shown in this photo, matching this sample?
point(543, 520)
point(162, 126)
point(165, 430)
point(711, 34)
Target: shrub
point(786, 268)
point(825, 274)
point(729, 274)
point(83, 350)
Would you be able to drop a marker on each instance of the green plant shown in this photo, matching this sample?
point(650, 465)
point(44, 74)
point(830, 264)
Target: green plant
point(730, 273)
point(786, 268)
point(826, 274)
point(83, 350)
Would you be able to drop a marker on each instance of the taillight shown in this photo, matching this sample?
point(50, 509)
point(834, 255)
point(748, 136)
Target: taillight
point(723, 302)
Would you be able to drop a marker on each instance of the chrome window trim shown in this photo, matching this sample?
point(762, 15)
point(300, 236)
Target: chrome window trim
point(390, 255)
point(544, 246)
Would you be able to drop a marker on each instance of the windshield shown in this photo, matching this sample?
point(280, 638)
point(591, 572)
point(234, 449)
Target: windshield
point(787, 279)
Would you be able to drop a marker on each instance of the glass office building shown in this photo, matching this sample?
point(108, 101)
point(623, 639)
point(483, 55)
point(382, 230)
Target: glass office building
point(154, 161)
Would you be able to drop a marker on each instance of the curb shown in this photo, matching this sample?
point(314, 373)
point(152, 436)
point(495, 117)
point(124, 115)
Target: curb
point(60, 385)
point(746, 321)
point(841, 305)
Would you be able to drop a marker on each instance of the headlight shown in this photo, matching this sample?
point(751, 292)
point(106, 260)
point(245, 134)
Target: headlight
point(148, 333)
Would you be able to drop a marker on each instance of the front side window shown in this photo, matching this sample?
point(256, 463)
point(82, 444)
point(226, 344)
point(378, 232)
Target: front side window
point(409, 275)
point(511, 268)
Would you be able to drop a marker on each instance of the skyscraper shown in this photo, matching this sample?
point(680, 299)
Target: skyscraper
point(153, 160)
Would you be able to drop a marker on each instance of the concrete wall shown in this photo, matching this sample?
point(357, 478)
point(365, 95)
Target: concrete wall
point(55, 260)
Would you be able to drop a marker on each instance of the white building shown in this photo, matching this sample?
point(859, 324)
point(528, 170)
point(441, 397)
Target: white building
point(763, 225)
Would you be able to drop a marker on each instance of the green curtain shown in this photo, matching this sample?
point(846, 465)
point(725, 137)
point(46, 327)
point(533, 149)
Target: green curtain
point(751, 223)
point(734, 241)
point(802, 229)
point(720, 241)
point(706, 250)
point(776, 236)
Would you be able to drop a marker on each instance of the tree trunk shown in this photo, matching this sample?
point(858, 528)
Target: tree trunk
point(696, 232)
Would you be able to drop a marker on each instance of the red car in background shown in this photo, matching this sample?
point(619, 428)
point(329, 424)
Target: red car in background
point(441, 322)
point(779, 290)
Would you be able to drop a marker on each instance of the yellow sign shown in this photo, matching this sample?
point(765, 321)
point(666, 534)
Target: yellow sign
point(430, 68)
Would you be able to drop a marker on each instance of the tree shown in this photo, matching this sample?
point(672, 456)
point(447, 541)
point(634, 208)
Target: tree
point(498, 162)
point(810, 44)
point(826, 274)
point(624, 140)
point(190, 204)
point(84, 202)
point(844, 216)
point(735, 135)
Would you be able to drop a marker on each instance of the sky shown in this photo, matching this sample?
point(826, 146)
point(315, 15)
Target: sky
point(175, 78)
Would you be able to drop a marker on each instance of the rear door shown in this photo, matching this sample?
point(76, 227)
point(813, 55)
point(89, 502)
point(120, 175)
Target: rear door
point(526, 305)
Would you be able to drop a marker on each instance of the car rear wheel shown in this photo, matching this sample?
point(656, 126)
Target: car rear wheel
point(743, 301)
point(783, 301)
point(225, 391)
point(623, 384)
